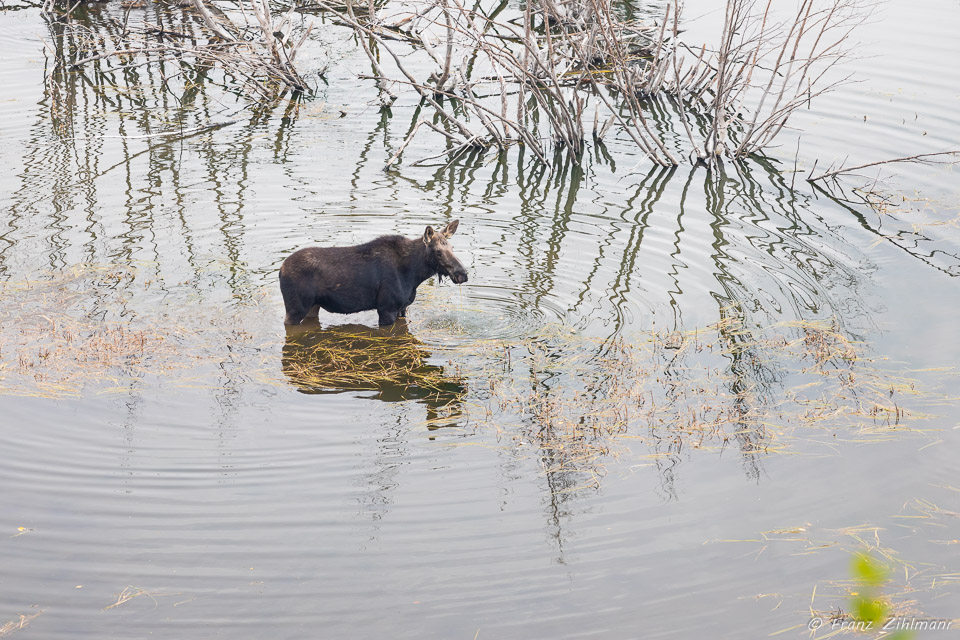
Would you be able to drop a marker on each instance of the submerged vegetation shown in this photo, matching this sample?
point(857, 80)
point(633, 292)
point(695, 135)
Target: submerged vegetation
point(878, 593)
point(140, 249)
point(580, 401)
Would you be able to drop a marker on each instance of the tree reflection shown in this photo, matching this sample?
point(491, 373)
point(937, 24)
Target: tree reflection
point(872, 213)
point(576, 244)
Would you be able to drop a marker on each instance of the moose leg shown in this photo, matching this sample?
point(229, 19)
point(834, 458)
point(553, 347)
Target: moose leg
point(297, 308)
point(294, 302)
point(295, 316)
point(389, 301)
point(386, 317)
point(402, 313)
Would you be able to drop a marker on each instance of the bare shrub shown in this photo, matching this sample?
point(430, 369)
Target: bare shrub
point(531, 78)
point(259, 52)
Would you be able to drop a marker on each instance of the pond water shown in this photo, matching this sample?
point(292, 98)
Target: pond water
point(666, 404)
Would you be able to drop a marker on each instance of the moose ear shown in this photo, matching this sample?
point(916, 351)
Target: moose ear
point(428, 235)
point(451, 228)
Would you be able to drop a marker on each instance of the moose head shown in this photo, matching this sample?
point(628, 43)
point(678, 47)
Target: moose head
point(441, 253)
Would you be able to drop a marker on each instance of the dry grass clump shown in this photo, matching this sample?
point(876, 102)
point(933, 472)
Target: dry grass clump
point(581, 401)
point(54, 340)
point(390, 361)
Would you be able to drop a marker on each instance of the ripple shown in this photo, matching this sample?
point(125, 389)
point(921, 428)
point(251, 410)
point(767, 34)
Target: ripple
point(246, 500)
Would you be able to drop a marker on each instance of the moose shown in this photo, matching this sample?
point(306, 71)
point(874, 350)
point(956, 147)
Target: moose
point(382, 274)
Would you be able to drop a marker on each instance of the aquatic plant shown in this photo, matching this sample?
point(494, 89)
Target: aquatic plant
point(579, 401)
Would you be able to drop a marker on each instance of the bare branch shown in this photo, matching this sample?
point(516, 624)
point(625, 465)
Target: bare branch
point(922, 157)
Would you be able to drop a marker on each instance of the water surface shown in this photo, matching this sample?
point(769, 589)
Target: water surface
point(666, 402)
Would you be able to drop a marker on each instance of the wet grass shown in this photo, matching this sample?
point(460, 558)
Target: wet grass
point(130, 592)
point(359, 358)
point(574, 403)
point(579, 400)
point(17, 624)
point(881, 583)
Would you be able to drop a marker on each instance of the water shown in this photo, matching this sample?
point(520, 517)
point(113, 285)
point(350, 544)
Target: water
point(171, 449)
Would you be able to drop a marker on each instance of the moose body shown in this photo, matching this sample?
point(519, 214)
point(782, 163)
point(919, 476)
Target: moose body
point(382, 274)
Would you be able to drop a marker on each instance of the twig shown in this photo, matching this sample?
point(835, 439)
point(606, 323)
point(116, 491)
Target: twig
point(212, 22)
point(922, 157)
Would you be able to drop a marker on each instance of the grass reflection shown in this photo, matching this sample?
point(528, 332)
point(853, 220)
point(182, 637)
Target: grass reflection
point(388, 361)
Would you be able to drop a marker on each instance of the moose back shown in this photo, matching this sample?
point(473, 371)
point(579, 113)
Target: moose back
point(382, 274)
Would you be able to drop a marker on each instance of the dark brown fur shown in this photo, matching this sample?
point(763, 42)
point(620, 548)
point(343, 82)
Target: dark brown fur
point(382, 274)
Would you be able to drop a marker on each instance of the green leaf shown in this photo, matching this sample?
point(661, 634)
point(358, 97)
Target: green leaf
point(869, 571)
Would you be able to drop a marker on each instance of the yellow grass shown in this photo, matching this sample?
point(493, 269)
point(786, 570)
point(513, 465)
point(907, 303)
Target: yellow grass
point(574, 401)
point(21, 622)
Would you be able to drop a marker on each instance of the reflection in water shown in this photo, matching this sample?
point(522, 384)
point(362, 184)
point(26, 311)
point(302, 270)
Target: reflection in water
point(389, 361)
point(112, 161)
point(620, 322)
point(905, 224)
point(208, 218)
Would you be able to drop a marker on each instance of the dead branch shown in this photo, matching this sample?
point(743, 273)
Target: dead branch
point(559, 57)
point(387, 97)
point(212, 23)
point(922, 157)
point(264, 64)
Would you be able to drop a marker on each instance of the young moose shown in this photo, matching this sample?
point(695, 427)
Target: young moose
point(382, 274)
